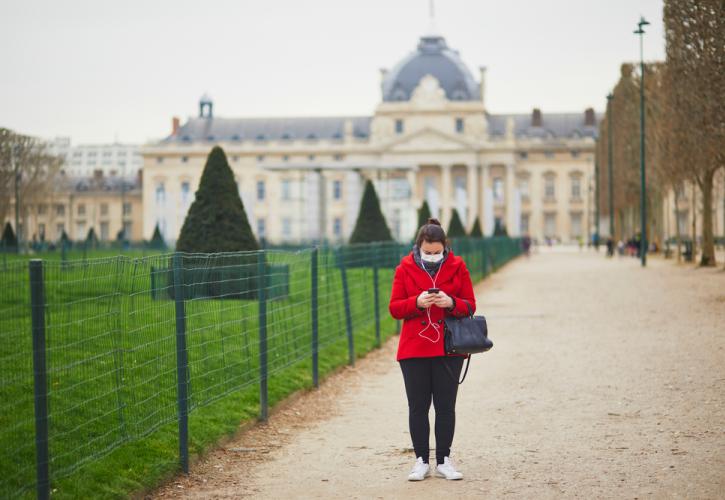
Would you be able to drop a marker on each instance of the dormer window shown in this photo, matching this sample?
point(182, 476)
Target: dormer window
point(459, 125)
point(286, 137)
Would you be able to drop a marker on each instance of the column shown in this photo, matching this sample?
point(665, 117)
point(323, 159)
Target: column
point(445, 194)
point(512, 203)
point(471, 194)
point(487, 219)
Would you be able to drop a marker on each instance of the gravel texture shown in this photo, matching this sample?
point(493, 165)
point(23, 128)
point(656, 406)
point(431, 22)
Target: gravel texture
point(606, 381)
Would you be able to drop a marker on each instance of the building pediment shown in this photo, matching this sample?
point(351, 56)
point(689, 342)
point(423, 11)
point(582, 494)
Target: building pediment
point(427, 139)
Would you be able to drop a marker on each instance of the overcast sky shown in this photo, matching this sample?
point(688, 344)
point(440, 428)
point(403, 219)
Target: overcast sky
point(100, 70)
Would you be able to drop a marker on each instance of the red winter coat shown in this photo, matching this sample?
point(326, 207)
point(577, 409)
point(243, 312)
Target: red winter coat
point(422, 332)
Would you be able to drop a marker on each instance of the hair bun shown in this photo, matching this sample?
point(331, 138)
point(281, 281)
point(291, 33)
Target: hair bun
point(431, 220)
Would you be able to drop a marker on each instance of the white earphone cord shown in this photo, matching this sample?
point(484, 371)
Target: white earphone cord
point(430, 322)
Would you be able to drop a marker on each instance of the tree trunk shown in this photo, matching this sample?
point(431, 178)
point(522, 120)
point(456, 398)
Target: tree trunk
point(677, 225)
point(694, 221)
point(708, 240)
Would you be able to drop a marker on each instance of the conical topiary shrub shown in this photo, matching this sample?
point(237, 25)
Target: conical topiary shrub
point(476, 229)
point(91, 239)
point(8, 240)
point(499, 229)
point(157, 240)
point(371, 225)
point(455, 228)
point(216, 221)
point(423, 214)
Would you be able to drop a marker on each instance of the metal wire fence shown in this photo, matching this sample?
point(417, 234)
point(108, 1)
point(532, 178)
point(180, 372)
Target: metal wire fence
point(99, 353)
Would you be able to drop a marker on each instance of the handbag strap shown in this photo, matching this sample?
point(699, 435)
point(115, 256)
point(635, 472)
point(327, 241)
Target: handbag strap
point(470, 309)
point(464, 373)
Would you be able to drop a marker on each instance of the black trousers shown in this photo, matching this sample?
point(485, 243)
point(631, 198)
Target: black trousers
point(427, 378)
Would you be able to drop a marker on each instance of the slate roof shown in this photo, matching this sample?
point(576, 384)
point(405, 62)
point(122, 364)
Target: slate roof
point(435, 58)
point(554, 125)
point(266, 129)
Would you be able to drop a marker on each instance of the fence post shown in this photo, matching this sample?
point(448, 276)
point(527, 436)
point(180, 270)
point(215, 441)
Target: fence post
point(261, 285)
point(315, 319)
point(348, 313)
point(40, 378)
point(182, 362)
point(376, 293)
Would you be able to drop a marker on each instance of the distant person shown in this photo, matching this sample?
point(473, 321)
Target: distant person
point(429, 284)
point(526, 245)
point(610, 247)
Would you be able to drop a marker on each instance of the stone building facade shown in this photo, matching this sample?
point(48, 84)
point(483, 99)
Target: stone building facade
point(430, 138)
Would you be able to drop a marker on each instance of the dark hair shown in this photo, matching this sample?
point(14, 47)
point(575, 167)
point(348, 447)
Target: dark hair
point(432, 232)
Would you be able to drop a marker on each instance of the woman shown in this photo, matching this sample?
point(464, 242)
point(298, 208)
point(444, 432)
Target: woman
point(427, 371)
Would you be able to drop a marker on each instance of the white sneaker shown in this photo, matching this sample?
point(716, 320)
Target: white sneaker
point(420, 470)
point(447, 470)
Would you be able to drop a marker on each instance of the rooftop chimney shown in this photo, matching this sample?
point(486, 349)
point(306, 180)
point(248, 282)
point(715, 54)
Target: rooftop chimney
point(482, 84)
point(175, 125)
point(589, 117)
point(536, 120)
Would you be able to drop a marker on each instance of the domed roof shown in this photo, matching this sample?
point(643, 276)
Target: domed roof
point(435, 58)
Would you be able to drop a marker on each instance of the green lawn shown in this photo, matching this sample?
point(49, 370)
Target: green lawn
point(111, 358)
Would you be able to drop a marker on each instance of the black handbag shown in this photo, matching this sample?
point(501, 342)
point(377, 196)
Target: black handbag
point(467, 335)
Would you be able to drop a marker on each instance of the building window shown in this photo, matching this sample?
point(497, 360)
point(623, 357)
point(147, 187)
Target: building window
point(41, 231)
point(104, 231)
point(574, 153)
point(524, 226)
point(399, 189)
point(42, 209)
point(337, 227)
point(548, 154)
point(185, 189)
point(550, 225)
point(398, 126)
point(286, 228)
point(576, 189)
point(104, 208)
point(576, 225)
point(498, 194)
point(285, 158)
point(549, 188)
point(523, 154)
point(459, 125)
point(235, 159)
point(524, 188)
point(337, 189)
point(311, 157)
point(159, 159)
point(286, 189)
point(80, 230)
point(81, 209)
point(261, 228)
point(59, 229)
point(127, 226)
point(337, 157)
point(260, 190)
point(60, 210)
point(160, 193)
point(126, 208)
point(682, 222)
point(184, 159)
point(260, 158)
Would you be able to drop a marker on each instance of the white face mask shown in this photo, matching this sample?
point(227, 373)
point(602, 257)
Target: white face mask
point(435, 257)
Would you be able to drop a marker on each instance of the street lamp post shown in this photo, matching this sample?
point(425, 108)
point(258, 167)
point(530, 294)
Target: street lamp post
point(643, 188)
point(596, 201)
point(610, 149)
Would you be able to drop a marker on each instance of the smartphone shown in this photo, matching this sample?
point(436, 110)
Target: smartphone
point(434, 290)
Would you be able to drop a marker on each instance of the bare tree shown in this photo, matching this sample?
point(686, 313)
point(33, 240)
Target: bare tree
point(695, 83)
point(36, 169)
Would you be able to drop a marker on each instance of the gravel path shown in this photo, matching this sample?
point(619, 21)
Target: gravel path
point(606, 381)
